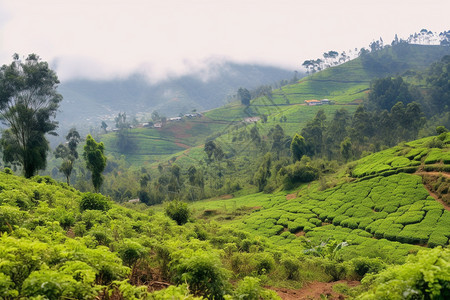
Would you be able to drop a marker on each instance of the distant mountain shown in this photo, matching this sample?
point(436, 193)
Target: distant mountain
point(89, 101)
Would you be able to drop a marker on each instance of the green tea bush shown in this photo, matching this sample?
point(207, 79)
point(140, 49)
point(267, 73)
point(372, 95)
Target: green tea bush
point(11, 216)
point(410, 217)
point(250, 289)
point(434, 156)
point(364, 265)
point(424, 276)
point(437, 238)
point(265, 263)
point(7, 290)
point(178, 211)
point(93, 201)
point(291, 267)
point(55, 285)
point(130, 252)
point(202, 271)
point(180, 292)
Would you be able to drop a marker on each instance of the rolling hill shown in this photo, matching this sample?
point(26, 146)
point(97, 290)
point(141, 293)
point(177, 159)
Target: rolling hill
point(379, 203)
point(87, 102)
point(345, 85)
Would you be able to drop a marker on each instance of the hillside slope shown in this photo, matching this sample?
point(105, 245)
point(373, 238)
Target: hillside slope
point(378, 204)
point(344, 84)
point(89, 101)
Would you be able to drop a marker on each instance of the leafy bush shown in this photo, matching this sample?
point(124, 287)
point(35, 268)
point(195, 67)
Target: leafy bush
point(298, 173)
point(202, 271)
point(130, 252)
point(177, 211)
point(424, 276)
point(291, 267)
point(264, 263)
point(93, 201)
point(250, 289)
point(364, 265)
point(180, 292)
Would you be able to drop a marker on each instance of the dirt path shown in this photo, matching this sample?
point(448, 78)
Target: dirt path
point(432, 194)
point(291, 196)
point(430, 191)
point(314, 290)
point(433, 173)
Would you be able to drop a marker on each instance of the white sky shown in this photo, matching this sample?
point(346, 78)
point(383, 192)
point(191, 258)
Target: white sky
point(109, 38)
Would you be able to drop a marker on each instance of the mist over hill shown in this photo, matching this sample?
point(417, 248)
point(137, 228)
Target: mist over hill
point(89, 101)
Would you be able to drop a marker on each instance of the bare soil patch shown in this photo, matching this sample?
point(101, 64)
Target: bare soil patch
point(291, 196)
point(314, 290)
point(300, 233)
point(436, 197)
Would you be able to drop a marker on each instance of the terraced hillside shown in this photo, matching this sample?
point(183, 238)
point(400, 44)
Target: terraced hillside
point(344, 84)
point(379, 205)
point(350, 81)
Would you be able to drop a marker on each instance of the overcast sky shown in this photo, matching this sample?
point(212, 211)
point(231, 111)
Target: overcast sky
point(109, 38)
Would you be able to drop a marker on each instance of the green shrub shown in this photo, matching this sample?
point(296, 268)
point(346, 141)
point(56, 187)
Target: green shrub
point(180, 292)
point(8, 171)
point(437, 239)
point(7, 290)
point(130, 252)
point(178, 211)
point(264, 262)
point(250, 289)
point(364, 265)
point(291, 267)
point(423, 276)
point(93, 201)
point(298, 173)
point(202, 271)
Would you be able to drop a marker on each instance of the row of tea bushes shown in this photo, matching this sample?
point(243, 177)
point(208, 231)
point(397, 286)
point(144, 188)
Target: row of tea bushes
point(395, 208)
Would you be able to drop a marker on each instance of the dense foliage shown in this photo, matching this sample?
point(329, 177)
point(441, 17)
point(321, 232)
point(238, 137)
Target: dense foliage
point(28, 103)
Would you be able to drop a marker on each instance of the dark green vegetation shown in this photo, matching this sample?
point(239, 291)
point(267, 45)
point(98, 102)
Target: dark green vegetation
point(28, 103)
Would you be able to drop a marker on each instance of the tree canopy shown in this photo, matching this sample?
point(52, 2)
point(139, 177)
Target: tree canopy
point(95, 160)
point(28, 103)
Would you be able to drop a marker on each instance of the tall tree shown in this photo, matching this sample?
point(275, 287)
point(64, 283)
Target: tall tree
point(95, 160)
point(386, 92)
point(244, 96)
point(28, 103)
point(313, 133)
point(68, 153)
point(298, 147)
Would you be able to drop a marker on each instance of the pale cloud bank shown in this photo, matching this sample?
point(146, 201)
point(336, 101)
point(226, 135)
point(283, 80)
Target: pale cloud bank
point(110, 38)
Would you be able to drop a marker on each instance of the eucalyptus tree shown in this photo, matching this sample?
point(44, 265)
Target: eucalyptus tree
point(28, 105)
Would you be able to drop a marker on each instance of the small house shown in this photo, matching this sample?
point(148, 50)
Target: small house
point(325, 102)
point(313, 102)
point(175, 119)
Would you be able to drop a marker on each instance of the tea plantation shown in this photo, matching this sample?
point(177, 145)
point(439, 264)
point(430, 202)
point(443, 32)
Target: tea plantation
point(429, 154)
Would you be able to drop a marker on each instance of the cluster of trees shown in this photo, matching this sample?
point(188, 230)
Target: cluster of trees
point(427, 37)
point(334, 58)
point(244, 95)
point(28, 105)
point(330, 58)
point(345, 136)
